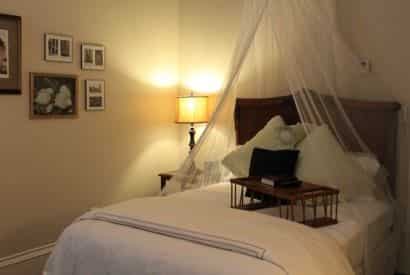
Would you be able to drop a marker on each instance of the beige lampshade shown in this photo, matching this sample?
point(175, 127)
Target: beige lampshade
point(192, 109)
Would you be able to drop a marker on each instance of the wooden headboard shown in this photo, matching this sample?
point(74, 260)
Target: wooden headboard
point(376, 122)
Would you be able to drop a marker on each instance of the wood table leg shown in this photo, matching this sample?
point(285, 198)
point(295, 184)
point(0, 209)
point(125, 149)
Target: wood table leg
point(337, 206)
point(280, 209)
point(232, 206)
point(292, 212)
point(331, 206)
point(234, 191)
point(314, 208)
point(287, 212)
point(241, 198)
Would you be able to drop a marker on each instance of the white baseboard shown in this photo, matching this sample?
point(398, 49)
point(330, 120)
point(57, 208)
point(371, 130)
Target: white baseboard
point(26, 255)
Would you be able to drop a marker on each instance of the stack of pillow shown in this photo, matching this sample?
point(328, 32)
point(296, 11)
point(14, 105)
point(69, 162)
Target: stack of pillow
point(276, 135)
point(321, 158)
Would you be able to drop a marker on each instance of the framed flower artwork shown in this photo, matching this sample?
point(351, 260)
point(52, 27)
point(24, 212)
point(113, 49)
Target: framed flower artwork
point(53, 96)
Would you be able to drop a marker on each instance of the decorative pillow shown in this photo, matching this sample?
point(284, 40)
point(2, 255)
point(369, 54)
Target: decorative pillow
point(323, 161)
point(299, 132)
point(368, 162)
point(273, 163)
point(274, 136)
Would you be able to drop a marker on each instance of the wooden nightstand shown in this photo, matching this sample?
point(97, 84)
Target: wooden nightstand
point(166, 177)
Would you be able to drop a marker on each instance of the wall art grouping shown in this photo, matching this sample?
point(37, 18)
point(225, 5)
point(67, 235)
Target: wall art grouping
point(59, 48)
point(51, 95)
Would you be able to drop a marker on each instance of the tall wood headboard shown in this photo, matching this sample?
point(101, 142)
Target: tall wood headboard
point(376, 122)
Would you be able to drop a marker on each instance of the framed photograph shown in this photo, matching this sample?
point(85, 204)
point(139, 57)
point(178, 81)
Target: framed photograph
point(58, 48)
point(92, 57)
point(10, 54)
point(4, 54)
point(53, 96)
point(95, 95)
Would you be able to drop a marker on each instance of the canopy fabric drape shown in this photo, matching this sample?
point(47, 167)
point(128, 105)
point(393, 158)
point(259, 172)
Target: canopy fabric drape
point(284, 47)
point(289, 47)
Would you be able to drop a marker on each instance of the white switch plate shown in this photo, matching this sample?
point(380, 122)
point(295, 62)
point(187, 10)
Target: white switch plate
point(366, 66)
point(405, 111)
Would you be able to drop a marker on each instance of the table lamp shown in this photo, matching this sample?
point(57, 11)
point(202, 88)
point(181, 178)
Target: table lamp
point(192, 110)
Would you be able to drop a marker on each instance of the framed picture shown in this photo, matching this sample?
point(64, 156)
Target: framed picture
point(53, 96)
point(92, 57)
point(95, 95)
point(10, 54)
point(58, 48)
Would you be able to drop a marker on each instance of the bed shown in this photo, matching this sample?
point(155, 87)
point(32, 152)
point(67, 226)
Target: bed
point(371, 245)
point(170, 235)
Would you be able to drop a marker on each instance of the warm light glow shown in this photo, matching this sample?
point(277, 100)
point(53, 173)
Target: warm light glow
point(164, 79)
point(192, 109)
point(204, 82)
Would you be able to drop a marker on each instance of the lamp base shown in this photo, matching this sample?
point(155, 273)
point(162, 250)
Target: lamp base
point(192, 137)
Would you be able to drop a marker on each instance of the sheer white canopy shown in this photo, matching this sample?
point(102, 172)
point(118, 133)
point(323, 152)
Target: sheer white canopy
point(285, 47)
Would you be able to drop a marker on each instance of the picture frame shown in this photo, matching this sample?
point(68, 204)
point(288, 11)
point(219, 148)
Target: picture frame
point(58, 48)
point(10, 54)
point(92, 57)
point(53, 96)
point(94, 95)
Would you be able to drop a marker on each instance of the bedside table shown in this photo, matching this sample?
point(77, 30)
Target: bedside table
point(166, 177)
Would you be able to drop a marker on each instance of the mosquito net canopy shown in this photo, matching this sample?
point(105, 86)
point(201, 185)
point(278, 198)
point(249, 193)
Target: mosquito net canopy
point(293, 48)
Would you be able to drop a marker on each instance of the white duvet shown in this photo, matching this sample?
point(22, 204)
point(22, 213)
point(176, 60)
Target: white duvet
point(173, 235)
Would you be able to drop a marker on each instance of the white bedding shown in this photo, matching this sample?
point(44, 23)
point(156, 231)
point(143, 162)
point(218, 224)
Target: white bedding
point(97, 247)
point(363, 225)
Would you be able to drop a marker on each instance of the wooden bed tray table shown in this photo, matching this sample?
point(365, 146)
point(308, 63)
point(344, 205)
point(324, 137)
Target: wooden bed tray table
point(307, 195)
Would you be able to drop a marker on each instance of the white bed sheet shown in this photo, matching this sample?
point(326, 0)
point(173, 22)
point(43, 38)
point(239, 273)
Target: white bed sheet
point(112, 246)
point(119, 249)
point(105, 248)
point(363, 225)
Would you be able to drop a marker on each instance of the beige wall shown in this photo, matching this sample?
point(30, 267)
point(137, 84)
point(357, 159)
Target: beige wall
point(124, 147)
point(54, 170)
point(377, 30)
point(208, 31)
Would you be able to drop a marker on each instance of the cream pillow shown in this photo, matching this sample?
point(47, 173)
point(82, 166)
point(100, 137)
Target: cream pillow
point(368, 162)
point(274, 136)
point(323, 161)
point(299, 132)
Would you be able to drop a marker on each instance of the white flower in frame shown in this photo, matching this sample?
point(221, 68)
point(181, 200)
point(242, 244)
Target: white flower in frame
point(44, 96)
point(49, 108)
point(63, 98)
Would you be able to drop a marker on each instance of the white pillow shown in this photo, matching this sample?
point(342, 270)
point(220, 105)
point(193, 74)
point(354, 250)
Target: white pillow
point(299, 132)
point(323, 161)
point(274, 136)
point(367, 161)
